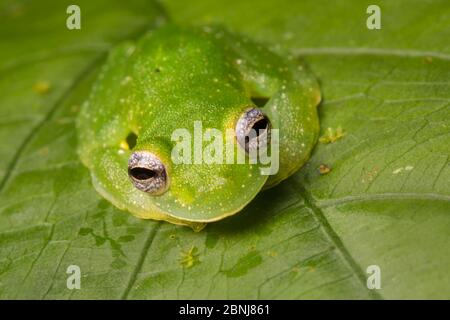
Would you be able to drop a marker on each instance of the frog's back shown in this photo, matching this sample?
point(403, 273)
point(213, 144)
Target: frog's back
point(146, 87)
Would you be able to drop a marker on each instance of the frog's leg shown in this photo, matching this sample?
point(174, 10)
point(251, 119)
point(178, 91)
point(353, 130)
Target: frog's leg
point(291, 94)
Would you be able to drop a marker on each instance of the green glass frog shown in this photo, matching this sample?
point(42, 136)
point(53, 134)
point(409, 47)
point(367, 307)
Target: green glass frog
point(201, 80)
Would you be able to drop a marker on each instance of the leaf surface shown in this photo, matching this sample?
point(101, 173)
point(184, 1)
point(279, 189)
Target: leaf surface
point(385, 202)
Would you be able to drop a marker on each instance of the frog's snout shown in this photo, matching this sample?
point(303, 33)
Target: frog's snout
point(253, 130)
point(148, 173)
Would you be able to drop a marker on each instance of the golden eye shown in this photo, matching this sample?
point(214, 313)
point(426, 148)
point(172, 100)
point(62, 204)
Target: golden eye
point(147, 172)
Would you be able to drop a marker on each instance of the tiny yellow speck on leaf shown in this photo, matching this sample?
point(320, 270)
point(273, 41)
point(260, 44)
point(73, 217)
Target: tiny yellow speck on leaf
point(296, 270)
point(324, 169)
point(42, 87)
point(273, 254)
point(428, 59)
point(332, 135)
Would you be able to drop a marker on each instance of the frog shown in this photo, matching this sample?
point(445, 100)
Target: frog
point(175, 77)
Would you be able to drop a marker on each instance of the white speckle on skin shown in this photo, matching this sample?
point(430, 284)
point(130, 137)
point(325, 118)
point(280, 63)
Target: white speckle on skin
point(126, 80)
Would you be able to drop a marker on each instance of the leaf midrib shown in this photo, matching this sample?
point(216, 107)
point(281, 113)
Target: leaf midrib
point(403, 53)
point(382, 197)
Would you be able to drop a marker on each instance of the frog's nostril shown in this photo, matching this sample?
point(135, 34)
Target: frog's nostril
point(147, 172)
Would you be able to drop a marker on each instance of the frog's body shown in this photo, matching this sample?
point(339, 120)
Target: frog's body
point(169, 79)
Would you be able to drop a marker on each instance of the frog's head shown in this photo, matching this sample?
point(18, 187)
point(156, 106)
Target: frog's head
point(202, 171)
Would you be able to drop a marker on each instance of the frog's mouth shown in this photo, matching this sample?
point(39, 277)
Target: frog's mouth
point(209, 203)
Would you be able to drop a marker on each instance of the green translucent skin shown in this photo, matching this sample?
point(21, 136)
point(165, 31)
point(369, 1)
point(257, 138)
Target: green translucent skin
point(172, 77)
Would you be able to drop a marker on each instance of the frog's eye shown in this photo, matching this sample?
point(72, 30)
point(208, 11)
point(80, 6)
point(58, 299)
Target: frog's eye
point(253, 130)
point(147, 172)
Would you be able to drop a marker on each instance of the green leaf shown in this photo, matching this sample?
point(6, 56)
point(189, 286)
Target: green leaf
point(385, 202)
